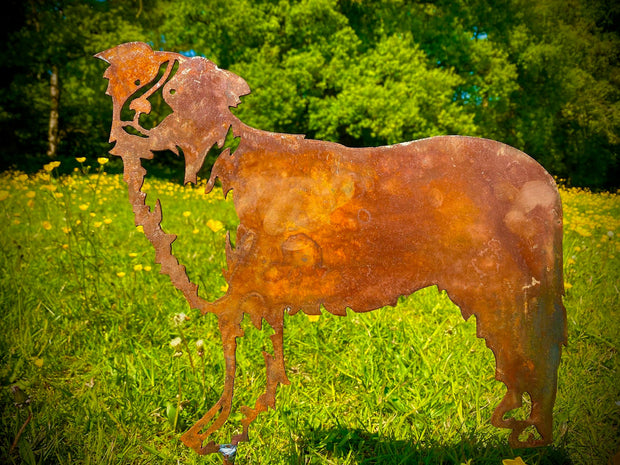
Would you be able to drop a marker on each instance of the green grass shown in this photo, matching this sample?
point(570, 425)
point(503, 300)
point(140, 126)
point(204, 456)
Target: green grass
point(86, 329)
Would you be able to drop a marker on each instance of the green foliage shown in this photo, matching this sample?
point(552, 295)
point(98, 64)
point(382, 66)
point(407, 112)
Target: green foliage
point(88, 373)
point(539, 75)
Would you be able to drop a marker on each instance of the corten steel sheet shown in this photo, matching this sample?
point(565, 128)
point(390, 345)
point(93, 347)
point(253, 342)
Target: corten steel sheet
point(326, 225)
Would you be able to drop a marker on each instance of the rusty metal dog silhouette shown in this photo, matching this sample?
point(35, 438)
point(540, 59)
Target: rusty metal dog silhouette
point(326, 226)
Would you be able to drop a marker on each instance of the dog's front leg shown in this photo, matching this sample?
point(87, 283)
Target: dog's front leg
point(276, 374)
point(230, 329)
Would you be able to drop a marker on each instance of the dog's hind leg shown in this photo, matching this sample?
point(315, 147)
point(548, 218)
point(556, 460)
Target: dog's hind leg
point(230, 329)
point(526, 337)
point(534, 360)
point(276, 374)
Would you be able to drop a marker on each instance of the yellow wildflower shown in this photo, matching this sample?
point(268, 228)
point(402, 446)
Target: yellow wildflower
point(102, 160)
point(313, 318)
point(147, 268)
point(215, 225)
point(31, 194)
point(186, 213)
point(66, 230)
point(567, 285)
point(137, 267)
point(583, 232)
point(97, 224)
point(140, 228)
point(46, 225)
point(516, 461)
point(38, 362)
point(107, 221)
point(4, 195)
point(80, 159)
point(133, 254)
point(196, 231)
point(59, 195)
point(51, 165)
point(30, 203)
point(22, 177)
point(83, 207)
point(120, 274)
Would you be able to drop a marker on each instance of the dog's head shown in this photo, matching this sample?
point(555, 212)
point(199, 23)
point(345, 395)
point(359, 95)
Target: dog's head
point(199, 93)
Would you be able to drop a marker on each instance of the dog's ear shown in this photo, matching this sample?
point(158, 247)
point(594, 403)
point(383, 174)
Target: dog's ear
point(132, 66)
point(129, 51)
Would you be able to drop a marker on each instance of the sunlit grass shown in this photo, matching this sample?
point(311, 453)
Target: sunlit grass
point(89, 374)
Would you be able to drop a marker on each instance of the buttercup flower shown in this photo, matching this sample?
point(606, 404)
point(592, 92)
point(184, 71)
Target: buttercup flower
point(51, 165)
point(102, 160)
point(516, 461)
point(80, 159)
point(215, 225)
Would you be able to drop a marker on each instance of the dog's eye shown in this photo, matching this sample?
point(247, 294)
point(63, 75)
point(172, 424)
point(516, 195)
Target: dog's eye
point(137, 82)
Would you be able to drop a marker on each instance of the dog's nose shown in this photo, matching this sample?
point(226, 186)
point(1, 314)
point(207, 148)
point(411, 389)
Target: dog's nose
point(237, 85)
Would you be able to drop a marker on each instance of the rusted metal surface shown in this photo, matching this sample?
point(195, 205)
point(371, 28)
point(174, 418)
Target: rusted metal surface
point(323, 225)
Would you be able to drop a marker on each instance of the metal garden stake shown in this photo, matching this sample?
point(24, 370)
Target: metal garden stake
point(323, 225)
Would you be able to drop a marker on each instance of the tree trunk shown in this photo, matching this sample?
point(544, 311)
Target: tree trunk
point(52, 133)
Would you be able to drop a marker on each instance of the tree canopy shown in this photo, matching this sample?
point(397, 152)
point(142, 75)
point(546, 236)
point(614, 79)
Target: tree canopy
point(539, 75)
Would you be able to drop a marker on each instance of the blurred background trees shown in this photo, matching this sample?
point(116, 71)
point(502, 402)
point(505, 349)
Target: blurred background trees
point(541, 75)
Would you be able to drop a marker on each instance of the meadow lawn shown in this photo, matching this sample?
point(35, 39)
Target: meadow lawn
point(88, 373)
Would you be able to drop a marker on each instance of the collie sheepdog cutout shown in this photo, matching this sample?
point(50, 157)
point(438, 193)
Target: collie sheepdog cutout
point(323, 225)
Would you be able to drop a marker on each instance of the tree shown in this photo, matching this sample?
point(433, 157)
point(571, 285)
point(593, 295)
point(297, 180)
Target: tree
point(539, 75)
point(55, 99)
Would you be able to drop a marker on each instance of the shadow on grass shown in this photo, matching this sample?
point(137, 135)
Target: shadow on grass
point(360, 447)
